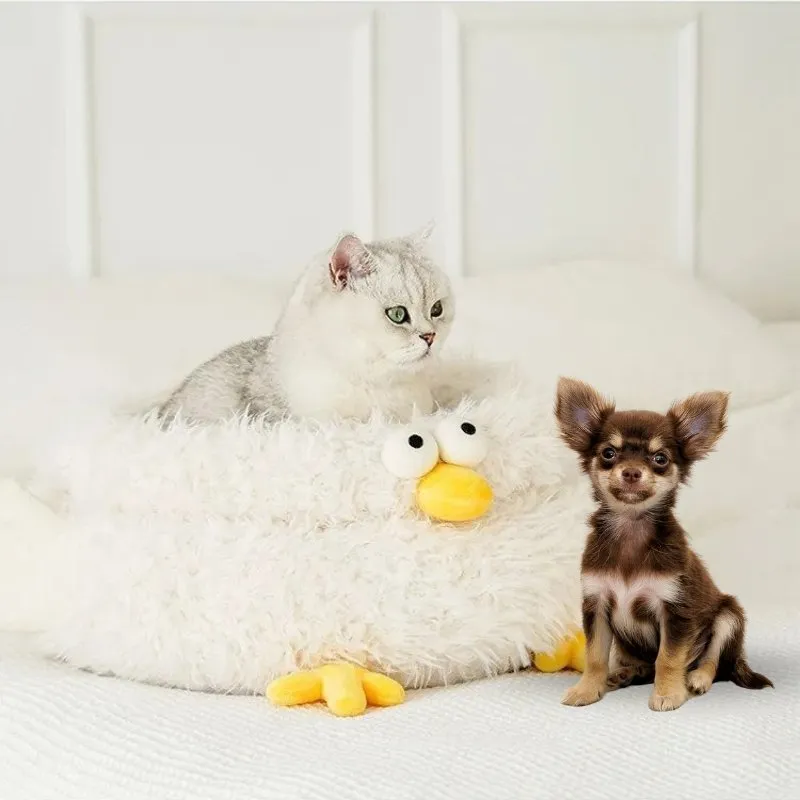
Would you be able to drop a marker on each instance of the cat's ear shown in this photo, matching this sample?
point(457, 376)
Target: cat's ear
point(421, 236)
point(349, 260)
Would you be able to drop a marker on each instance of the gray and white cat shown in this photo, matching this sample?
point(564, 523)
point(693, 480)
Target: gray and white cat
point(358, 334)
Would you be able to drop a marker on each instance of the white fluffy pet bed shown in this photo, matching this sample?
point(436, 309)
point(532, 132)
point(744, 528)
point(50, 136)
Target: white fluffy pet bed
point(219, 558)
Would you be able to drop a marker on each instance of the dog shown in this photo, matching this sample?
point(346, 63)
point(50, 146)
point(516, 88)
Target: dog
point(651, 611)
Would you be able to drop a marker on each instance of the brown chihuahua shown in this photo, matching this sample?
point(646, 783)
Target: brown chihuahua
point(650, 608)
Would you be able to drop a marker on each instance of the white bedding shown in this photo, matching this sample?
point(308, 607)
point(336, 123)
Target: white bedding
point(787, 335)
point(70, 735)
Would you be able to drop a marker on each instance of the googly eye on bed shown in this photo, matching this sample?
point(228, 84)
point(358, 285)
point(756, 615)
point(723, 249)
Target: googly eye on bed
point(410, 452)
point(461, 442)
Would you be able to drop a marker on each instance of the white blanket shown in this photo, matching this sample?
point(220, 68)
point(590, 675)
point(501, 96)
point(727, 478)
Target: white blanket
point(67, 735)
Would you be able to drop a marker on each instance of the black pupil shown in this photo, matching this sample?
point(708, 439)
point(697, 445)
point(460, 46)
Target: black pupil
point(415, 440)
point(436, 311)
point(608, 453)
point(660, 459)
point(468, 428)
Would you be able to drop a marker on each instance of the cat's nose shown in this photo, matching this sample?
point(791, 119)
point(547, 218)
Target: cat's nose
point(427, 338)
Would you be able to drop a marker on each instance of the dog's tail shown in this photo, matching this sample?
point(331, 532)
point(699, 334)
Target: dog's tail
point(743, 676)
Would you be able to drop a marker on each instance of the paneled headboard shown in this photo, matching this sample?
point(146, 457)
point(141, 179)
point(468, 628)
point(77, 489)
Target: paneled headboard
point(242, 137)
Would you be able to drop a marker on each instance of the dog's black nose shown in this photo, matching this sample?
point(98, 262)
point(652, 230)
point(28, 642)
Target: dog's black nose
point(427, 338)
point(631, 475)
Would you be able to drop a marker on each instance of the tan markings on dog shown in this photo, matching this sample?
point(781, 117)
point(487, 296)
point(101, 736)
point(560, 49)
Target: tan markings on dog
point(656, 588)
point(592, 685)
point(670, 690)
point(616, 440)
point(725, 628)
point(620, 597)
point(655, 444)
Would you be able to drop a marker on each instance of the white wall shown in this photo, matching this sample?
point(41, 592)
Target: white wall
point(32, 128)
point(244, 136)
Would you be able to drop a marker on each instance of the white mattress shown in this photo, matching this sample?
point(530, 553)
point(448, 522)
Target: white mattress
point(66, 735)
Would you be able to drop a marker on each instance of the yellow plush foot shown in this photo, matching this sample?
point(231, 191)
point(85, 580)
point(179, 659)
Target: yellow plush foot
point(346, 689)
point(569, 654)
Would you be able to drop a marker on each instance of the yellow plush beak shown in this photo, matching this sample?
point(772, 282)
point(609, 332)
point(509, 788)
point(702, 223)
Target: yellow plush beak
point(453, 494)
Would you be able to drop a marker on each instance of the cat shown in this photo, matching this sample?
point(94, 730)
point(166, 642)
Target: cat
point(359, 333)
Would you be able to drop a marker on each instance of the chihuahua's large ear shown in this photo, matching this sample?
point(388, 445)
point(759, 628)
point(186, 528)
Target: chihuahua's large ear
point(581, 412)
point(350, 259)
point(699, 421)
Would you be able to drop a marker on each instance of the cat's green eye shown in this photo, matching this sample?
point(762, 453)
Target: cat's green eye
point(397, 314)
point(436, 309)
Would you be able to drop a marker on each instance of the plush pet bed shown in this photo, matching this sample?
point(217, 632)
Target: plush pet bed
point(219, 558)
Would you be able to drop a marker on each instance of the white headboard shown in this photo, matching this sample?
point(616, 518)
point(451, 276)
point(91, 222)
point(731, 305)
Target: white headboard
point(141, 137)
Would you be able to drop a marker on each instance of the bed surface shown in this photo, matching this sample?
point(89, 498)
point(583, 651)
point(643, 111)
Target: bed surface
point(73, 736)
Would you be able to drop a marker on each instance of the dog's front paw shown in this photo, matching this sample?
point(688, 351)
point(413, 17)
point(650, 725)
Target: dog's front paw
point(699, 681)
point(668, 702)
point(584, 693)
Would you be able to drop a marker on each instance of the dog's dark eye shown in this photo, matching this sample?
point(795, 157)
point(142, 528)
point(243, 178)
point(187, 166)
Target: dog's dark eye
point(660, 459)
point(609, 454)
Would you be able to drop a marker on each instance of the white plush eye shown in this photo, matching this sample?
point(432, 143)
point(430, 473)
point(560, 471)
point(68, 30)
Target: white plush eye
point(460, 442)
point(410, 453)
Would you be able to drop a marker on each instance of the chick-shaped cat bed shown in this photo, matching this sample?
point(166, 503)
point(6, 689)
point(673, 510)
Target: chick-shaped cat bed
point(221, 558)
point(449, 489)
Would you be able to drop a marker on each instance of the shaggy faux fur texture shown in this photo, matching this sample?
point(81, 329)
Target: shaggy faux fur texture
point(220, 557)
